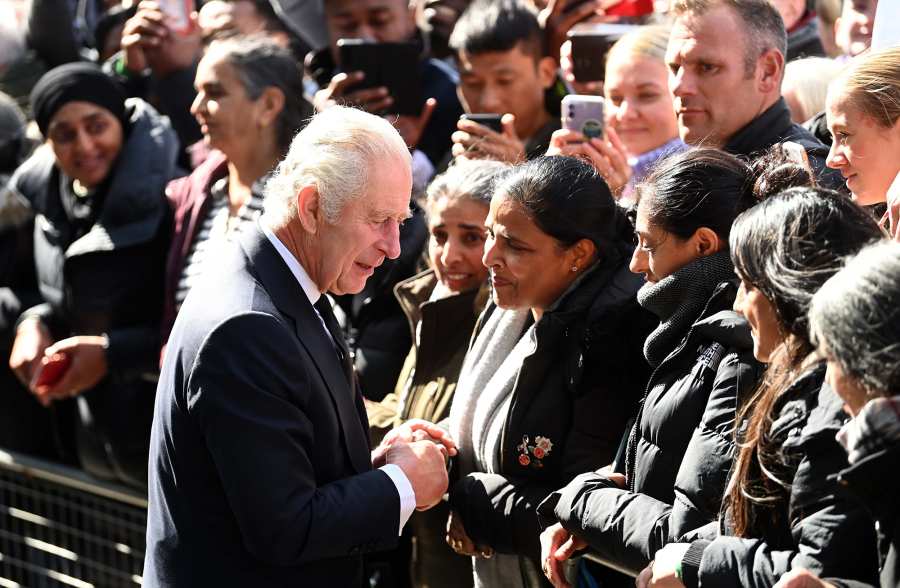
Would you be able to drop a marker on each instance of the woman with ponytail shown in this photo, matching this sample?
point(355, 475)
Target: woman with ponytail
point(555, 368)
point(780, 509)
point(678, 454)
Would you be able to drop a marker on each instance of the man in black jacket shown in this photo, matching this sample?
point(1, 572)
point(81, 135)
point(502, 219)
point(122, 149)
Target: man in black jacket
point(726, 64)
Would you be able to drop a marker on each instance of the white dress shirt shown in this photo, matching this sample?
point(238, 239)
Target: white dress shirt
point(401, 482)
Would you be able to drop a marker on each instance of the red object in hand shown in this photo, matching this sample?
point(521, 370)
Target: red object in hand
point(632, 8)
point(52, 371)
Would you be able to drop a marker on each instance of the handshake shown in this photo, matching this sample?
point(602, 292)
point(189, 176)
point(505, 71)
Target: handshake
point(421, 449)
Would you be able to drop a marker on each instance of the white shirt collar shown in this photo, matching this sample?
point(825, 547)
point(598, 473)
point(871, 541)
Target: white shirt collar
point(309, 287)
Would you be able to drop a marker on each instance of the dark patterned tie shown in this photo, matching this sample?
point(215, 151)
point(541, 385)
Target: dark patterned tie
point(323, 306)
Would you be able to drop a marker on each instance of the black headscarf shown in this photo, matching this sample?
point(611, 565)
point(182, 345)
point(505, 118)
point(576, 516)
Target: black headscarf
point(82, 82)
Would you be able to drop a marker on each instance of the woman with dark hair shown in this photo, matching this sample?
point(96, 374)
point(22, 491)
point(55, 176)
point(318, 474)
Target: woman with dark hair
point(95, 190)
point(249, 105)
point(554, 371)
point(854, 320)
point(780, 511)
point(678, 454)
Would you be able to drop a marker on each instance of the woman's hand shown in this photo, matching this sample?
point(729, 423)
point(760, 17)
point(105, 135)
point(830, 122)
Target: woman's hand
point(88, 366)
point(32, 338)
point(558, 545)
point(607, 156)
point(662, 571)
point(459, 540)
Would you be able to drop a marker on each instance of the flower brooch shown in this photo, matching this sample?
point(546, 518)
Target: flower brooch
point(533, 454)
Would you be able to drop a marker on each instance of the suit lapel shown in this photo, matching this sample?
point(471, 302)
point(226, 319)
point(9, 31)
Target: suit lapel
point(290, 299)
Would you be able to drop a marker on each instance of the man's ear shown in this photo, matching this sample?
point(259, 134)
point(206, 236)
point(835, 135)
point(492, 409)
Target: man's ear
point(706, 241)
point(308, 211)
point(271, 103)
point(770, 67)
point(547, 71)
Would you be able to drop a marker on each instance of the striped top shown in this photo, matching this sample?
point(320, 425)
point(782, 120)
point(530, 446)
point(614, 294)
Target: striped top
point(217, 229)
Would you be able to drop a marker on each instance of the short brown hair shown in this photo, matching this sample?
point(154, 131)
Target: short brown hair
point(762, 21)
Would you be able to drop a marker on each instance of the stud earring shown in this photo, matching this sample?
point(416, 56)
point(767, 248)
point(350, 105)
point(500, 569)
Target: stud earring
point(574, 268)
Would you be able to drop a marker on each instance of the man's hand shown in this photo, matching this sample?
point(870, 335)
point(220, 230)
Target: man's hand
point(423, 462)
point(556, 19)
point(801, 579)
point(460, 542)
point(148, 41)
point(32, 338)
point(661, 573)
point(338, 91)
point(476, 141)
point(567, 66)
point(88, 366)
point(607, 156)
point(412, 127)
point(558, 545)
point(409, 432)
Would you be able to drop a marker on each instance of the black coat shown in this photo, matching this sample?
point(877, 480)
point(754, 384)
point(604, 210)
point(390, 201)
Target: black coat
point(820, 526)
point(681, 447)
point(578, 389)
point(874, 480)
point(260, 466)
point(775, 126)
point(109, 281)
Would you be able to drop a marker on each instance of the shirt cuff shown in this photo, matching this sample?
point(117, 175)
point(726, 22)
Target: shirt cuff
point(404, 489)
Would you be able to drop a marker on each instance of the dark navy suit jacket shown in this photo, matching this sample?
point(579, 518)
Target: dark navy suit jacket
point(260, 472)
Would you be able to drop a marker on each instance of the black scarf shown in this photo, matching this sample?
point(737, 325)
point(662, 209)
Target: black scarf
point(678, 299)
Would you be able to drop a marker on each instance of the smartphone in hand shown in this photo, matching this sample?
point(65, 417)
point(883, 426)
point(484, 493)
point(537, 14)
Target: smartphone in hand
point(53, 371)
point(590, 44)
point(178, 14)
point(394, 66)
point(584, 114)
point(489, 120)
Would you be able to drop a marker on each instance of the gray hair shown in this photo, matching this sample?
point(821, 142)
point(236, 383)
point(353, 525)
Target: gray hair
point(336, 153)
point(261, 63)
point(469, 179)
point(759, 18)
point(855, 319)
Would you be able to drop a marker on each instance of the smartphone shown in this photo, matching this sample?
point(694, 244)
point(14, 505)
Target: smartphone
point(491, 121)
point(178, 14)
point(394, 66)
point(590, 44)
point(583, 114)
point(52, 371)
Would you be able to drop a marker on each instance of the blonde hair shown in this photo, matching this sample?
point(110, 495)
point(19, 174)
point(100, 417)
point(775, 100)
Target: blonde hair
point(809, 79)
point(648, 41)
point(872, 85)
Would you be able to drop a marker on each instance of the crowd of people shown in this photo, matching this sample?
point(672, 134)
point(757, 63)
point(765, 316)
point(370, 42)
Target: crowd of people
point(236, 279)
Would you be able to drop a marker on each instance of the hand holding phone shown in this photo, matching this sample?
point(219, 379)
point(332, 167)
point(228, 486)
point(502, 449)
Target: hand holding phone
point(178, 14)
point(52, 371)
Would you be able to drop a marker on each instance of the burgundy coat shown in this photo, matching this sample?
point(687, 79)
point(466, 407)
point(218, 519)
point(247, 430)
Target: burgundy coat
point(189, 200)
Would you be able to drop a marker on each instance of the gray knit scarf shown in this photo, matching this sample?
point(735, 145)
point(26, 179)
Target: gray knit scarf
point(678, 299)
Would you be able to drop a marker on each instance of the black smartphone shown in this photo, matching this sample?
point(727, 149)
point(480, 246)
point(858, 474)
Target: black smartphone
point(392, 65)
point(590, 44)
point(491, 121)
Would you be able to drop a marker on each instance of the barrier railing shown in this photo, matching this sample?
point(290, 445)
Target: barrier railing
point(60, 527)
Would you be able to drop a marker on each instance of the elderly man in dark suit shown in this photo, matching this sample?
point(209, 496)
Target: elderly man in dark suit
point(260, 469)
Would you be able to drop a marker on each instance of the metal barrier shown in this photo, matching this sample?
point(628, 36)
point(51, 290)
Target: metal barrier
point(60, 527)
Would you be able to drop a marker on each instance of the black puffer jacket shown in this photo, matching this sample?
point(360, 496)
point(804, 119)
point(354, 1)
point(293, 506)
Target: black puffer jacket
point(823, 528)
point(577, 390)
point(681, 446)
point(109, 281)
